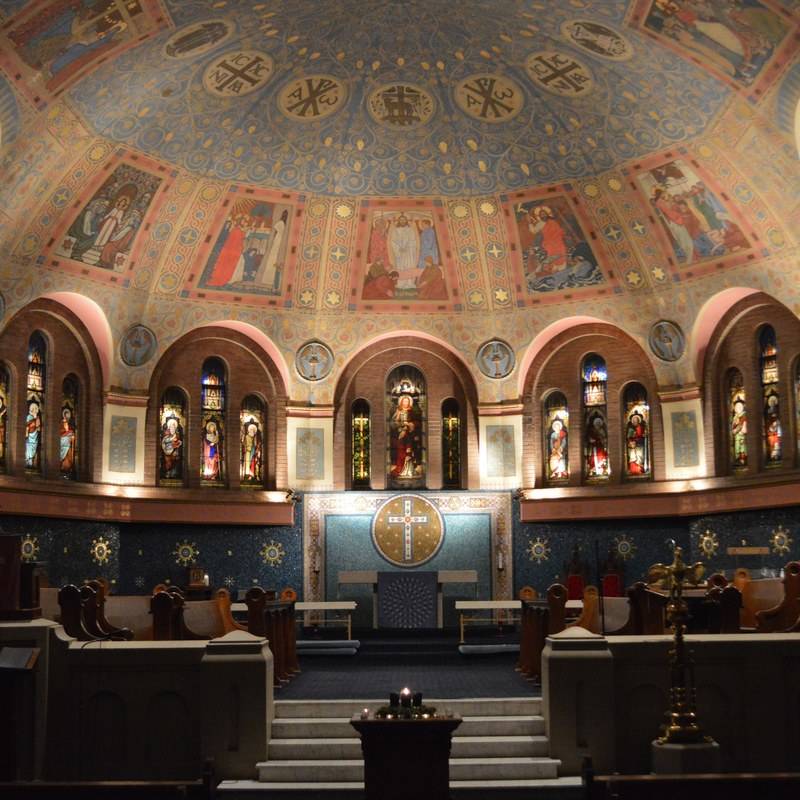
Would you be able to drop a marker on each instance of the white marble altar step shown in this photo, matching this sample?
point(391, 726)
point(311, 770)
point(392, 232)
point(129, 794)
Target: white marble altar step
point(488, 706)
point(462, 747)
point(461, 769)
point(340, 727)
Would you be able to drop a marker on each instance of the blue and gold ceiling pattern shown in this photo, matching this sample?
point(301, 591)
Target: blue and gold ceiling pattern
point(388, 98)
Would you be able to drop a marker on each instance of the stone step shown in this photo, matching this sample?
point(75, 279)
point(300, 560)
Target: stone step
point(568, 788)
point(488, 706)
point(340, 728)
point(461, 769)
point(462, 747)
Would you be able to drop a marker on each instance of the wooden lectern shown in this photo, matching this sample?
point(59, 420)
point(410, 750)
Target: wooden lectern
point(19, 582)
point(406, 758)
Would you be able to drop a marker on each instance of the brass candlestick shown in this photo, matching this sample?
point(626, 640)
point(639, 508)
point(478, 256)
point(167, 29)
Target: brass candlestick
point(682, 726)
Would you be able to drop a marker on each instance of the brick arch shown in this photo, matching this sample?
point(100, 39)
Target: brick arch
point(734, 343)
point(71, 349)
point(249, 370)
point(364, 376)
point(556, 366)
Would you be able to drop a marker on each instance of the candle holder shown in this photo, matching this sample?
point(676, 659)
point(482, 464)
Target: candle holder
point(406, 705)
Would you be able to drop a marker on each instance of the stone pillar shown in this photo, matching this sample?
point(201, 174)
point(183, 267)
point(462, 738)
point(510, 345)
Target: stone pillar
point(578, 700)
point(238, 705)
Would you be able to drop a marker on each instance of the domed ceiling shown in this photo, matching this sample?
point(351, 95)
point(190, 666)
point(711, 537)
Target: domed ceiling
point(395, 165)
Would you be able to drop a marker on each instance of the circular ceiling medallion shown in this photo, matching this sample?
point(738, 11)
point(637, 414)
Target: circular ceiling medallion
point(237, 73)
point(272, 553)
point(401, 105)
point(196, 39)
point(489, 98)
point(100, 551)
point(314, 361)
point(312, 97)
point(29, 548)
point(597, 39)
point(138, 346)
point(667, 340)
point(186, 553)
point(539, 549)
point(559, 73)
point(496, 359)
point(407, 530)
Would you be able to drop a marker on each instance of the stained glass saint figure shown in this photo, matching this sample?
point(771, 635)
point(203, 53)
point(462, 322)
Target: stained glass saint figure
point(773, 434)
point(737, 405)
point(251, 472)
point(556, 438)
point(406, 428)
point(637, 432)
point(68, 430)
point(34, 424)
point(596, 445)
point(171, 450)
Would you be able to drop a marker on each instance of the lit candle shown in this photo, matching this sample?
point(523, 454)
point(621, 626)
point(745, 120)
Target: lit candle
point(365, 714)
point(405, 698)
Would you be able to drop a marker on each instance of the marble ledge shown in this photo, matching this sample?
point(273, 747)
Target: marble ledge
point(681, 498)
point(113, 503)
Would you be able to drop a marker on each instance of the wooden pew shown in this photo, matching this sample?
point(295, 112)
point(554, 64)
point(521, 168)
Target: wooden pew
point(724, 607)
point(785, 616)
point(176, 618)
point(71, 604)
point(96, 608)
point(759, 595)
point(274, 620)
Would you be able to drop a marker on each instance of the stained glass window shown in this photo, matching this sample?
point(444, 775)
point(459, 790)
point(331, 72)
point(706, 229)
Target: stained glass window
point(68, 430)
point(251, 464)
point(360, 442)
point(212, 423)
point(737, 416)
point(406, 418)
point(4, 416)
point(451, 444)
point(34, 421)
point(637, 432)
point(773, 433)
point(595, 421)
point(556, 438)
point(595, 377)
point(172, 438)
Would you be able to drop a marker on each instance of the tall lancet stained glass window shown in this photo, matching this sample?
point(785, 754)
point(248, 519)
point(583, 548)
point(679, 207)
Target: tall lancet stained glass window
point(4, 417)
point(360, 443)
point(172, 438)
point(251, 463)
point(637, 432)
point(34, 420)
point(68, 430)
point(406, 427)
point(212, 423)
point(451, 444)
point(737, 421)
point(772, 432)
point(556, 438)
point(595, 419)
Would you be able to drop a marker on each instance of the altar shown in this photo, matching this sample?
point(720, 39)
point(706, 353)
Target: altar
point(407, 599)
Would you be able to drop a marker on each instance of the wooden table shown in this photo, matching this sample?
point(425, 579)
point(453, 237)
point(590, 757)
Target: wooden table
point(485, 605)
point(342, 608)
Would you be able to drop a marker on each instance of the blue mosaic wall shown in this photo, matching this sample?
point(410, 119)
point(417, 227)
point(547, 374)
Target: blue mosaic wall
point(142, 555)
point(349, 546)
point(645, 540)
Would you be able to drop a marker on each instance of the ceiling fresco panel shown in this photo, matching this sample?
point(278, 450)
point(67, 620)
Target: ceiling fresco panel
point(53, 43)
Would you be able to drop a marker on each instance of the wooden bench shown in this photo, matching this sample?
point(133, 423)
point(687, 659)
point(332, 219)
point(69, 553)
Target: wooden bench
point(785, 615)
point(274, 620)
point(485, 605)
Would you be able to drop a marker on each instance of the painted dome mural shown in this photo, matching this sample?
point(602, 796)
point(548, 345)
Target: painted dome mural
point(334, 172)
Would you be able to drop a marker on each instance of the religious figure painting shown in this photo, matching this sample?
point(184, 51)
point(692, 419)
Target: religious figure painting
point(33, 434)
point(406, 428)
point(211, 449)
point(68, 431)
point(596, 445)
point(773, 432)
point(61, 39)
point(172, 438)
point(696, 221)
point(404, 260)
point(251, 472)
point(249, 253)
point(738, 420)
point(103, 233)
point(4, 384)
point(735, 38)
point(637, 433)
point(555, 251)
point(556, 438)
